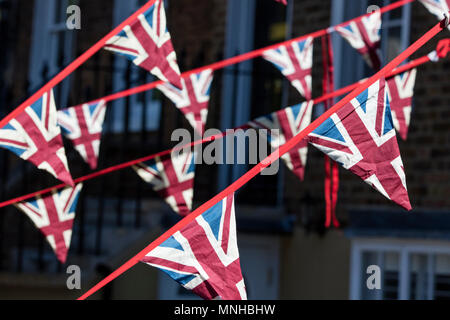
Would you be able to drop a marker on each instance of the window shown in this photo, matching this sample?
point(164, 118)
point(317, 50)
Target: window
point(252, 88)
point(144, 108)
point(52, 45)
point(395, 30)
point(409, 269)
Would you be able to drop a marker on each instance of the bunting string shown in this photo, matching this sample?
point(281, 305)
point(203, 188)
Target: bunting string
point(270, 159)
point(242, 57)
point(441, 52)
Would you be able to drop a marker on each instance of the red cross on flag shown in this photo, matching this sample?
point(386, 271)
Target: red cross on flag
point(83, 125)
point(172, 177)
point(203, 256)
point(34, 135)
point(54, 214)
point(364, 35)
point(295, 63)
point(193, 99)
point(148, 44)
point(361, 137)
point(401, 91)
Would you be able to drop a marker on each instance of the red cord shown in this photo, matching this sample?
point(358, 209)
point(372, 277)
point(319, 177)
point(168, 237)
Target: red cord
point(336, 93)
point(266, 162)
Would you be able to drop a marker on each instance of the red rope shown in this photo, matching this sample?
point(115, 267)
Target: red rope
point(74, 65)
point(93, 175)
point(267, 161)
point(243, 57)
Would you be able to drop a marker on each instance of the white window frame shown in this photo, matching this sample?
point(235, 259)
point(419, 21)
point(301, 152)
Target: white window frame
point(404, 247)
point(338, 13)
point(45, 43)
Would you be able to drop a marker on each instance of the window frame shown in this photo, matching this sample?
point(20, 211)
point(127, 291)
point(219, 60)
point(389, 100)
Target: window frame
point(338, 16)
point(405, 248)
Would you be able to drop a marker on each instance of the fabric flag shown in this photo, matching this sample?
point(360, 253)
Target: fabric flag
point(401, 91)
point(295, 62)
point(203, 256)
point(288, 123)
point(361, 137)
point(364, 35)
point(282, 1)
point(83, 126)
point(34, 135)
point(437, 7)
point(193, 99)
point(172, 177)
point(54, 214)
point(148, 44)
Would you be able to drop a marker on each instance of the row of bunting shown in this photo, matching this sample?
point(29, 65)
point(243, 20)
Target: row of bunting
point(360, 137)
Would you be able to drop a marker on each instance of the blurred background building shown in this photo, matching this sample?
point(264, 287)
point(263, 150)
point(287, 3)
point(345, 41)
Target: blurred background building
point(286, 253)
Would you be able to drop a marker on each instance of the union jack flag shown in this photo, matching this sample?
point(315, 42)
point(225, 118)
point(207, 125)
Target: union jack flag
point(148, 44)
point(401, 90)
point(54, 214)
point(172, 177)
point(203, 256)
point(364, 35)
point(83, 125)
point(295, 62)
point(437, 7)
point(288, 123)
point(361, 137)
point(193, 99)
point(34, 135)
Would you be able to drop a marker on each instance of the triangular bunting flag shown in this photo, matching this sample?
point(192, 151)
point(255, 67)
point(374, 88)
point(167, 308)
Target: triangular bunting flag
point(437, 7)
point(54, 214)
point(289, 122)
point(148, 44)
point(172, 177)
point(364, 36)
point(401, 91)
point(193, 99)
point(83, 125)
point(34, 135)
point(203, 256)
point(361, 137)
point(295, 62)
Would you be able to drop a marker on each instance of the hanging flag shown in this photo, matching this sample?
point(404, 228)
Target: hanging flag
point(361, 137)
point(172, 177)
point(203, 256)
point(148, 44)
point(193, 99)
point(437, 7)
point(401, 90)
point(83, 126)
point(54, 214)
point(288, 122)
point(282, 1)
point(295, 62)
point(34, 135)
point(364, 35)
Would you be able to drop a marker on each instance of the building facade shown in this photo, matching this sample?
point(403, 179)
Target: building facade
point(286, 253)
